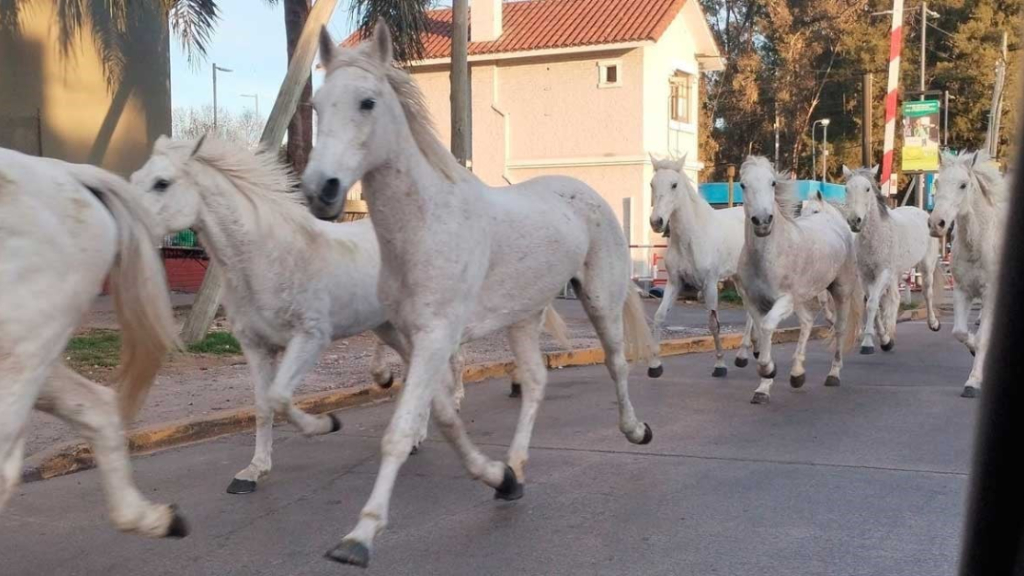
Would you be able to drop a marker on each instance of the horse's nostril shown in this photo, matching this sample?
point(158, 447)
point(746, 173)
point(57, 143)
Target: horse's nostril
point(331, 189)
point(755, 220)
point(656, 222)
point(771, 217)
point(942, 223)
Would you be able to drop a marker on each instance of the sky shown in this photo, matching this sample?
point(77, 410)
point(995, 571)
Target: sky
point(249, 40)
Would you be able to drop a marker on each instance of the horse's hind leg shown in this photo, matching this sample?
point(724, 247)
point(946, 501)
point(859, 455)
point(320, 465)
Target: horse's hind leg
point(929, 267)
point(379, 369)
point(261, 369)
point(888, 312)
point(742, 357)
point(92, 410)
point(668, 299)
point(300, 356)
point(711, 304)
point(798, 375)
point(961, 315)
point(605, 308)
point(18, 391)
point(524, 338)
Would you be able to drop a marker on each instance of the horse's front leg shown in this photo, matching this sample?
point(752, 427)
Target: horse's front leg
point(961, 315)
point(974, 380)
point(798, 375)
point(742, 357)
point(888, 312)
point(874, 293)
point(711, 305)
point(668, 299)
point(261, 369)
point(782, 308)
point(429, 365)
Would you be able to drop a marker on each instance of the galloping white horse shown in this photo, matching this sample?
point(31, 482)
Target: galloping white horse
point(971, 192)
point(461, 260)
point(293, 284)
point(63, 228)
point(889, 242)
point(787, 262)
point(703, 249)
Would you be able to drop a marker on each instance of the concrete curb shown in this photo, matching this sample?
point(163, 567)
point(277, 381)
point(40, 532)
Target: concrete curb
point(77, 456)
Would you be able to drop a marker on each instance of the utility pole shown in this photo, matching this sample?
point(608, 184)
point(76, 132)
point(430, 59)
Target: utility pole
point(256, 98)
point(924, 36)
point(865, 122)
point(996, 112)
point(460, 81)
point(215, 69)
point(776, 137)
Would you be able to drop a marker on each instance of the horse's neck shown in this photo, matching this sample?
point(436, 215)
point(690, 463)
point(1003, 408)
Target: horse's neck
point(976, 225)
point(876, 230)
point(690, 222)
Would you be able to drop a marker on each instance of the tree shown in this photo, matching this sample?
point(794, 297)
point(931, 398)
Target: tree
point(191, 123)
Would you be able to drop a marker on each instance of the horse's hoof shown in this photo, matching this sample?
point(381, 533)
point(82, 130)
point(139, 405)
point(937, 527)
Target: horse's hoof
point(832, 381)
point(888, 346)
point(719, 372)
point(510, 488)
point(178, 528)
point(867, 350)
point(389, 383)
point(757, 354)
point(741, 362)
point(516, 391)
point(969, 392)
point(350, 552)
point(655, 372)
point(936, 328)
point(239, 486)
point(415, 450)
point(648, 435)
point(797, 381)
point(760, 398)
point(335, 422)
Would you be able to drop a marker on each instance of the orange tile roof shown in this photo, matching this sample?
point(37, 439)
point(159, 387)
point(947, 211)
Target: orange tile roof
point(547, 24)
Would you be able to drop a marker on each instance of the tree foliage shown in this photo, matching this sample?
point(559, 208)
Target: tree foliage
point(407, 20)
point(191, 123)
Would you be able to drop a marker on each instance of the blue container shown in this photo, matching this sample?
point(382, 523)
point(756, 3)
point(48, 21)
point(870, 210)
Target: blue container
point(717, 193)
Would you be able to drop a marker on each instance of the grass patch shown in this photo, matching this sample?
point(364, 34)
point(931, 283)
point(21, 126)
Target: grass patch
point(99, 348)
point(218, 343)
point(730, 295)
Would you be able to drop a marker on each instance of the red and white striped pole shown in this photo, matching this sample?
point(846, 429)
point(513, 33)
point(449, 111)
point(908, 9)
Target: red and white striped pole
point(891, 96)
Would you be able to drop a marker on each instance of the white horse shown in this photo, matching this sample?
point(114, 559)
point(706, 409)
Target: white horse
point(971, 192)
point(63, 228)
point(703, 249)
point(889, 242)
point(787, 262)
point(461, 260)
point(293, 284)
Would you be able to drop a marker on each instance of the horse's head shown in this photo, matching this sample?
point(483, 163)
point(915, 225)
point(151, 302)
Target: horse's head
point(953, 185)
point(758, 181)
point(667, 187)
point(861, 193)
point(358, 117)
point(166, 187)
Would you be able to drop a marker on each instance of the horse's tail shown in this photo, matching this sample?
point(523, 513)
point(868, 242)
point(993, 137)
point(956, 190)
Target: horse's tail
point(139, 287)
point(639, 344)
point(555, 326)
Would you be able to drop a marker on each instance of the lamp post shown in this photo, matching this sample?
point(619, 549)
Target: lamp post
point(814, 150)
point(215, 70)
point(255, 97)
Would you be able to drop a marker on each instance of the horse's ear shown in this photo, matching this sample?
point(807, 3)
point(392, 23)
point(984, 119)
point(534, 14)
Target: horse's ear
point(654, 161)
point(382, 43)
point(326, 47)
point(847, 172)
point(199, 144)
point(877, 171)
point(974, 158)
point(679, 164)
point(819, 195)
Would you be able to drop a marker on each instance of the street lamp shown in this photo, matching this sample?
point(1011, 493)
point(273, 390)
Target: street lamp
point(255, 97)
point(814, 150)
point(215, 70)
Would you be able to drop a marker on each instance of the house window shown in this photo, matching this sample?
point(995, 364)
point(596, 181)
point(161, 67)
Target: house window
point(681, 91)
point(610, 74)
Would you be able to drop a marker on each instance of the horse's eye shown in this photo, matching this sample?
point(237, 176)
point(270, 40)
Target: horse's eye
point(675, 185)
point(773, 183)
point(161, 185)
point(742, 187)
point(367, 104)
point(963, 186)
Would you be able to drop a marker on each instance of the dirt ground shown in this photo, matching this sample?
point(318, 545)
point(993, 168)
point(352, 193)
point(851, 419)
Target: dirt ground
point(192, 385)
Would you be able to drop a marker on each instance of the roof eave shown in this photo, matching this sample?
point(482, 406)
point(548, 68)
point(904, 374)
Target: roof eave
point(541, 53)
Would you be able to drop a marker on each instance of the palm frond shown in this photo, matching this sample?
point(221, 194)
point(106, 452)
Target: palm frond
point(10, 17)
point(407, 20)
point(193, 22)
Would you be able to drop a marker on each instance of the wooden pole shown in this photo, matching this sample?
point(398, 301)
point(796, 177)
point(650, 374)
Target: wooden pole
point(865, 123)
point(204, 309)
point(731, 172)
point(460, 81)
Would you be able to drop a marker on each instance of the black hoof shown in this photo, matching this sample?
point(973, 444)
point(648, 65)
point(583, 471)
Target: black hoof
point(178, 527)
point(969, 392)
point(719, 372)
point(415, 450)
point(516, 391)
point(648, 435)
point(936, 328)
point(239, 486)
point(741, 362)
point(655, 372)
point(757, 354)
point(867, 350)
point(350, 552)
point(832, 381)
point(389, 383)
point(798, 381)
point(335, 422)
point(510, 488)
point(760, 398)
point(888, 346)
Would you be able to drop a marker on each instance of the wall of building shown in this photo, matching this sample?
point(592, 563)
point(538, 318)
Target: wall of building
point(67, 105)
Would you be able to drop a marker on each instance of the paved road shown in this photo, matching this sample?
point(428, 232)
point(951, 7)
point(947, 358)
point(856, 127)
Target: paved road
point(866, 479)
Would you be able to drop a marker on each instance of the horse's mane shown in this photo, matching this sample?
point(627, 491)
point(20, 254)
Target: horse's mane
point(787, 197)
point(869, 175)
point(414, 107)
point(991, 182)
point(261, 178)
